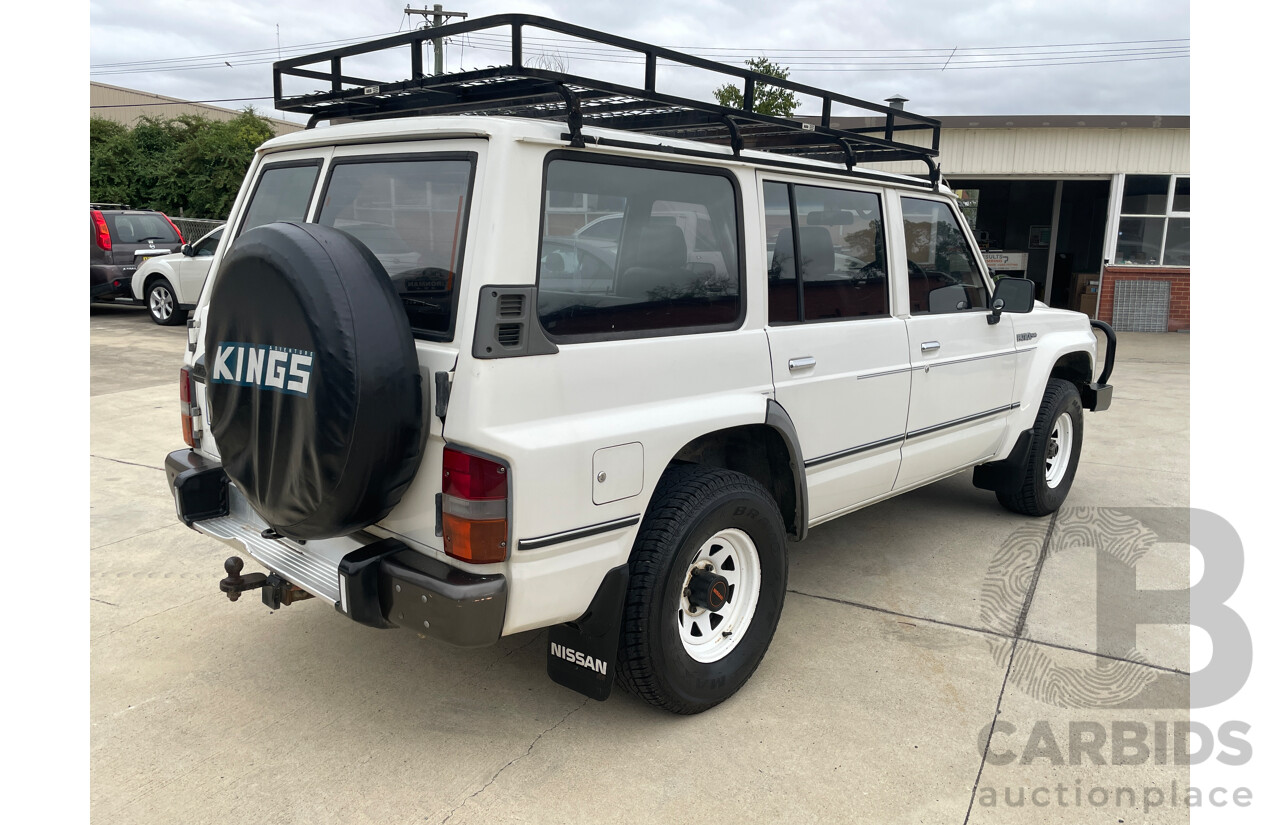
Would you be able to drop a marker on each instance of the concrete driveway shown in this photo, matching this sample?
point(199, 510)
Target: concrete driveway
point(909, 628)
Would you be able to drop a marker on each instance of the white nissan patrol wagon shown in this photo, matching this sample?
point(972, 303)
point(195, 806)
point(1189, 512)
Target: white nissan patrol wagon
point(417, 391)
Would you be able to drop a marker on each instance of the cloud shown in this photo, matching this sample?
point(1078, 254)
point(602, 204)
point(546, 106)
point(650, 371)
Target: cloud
point(151, 30)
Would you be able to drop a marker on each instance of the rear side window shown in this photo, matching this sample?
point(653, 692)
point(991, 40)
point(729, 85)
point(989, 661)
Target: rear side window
point(841, 251)
point(630, 250)
point(140, 228)
point(282, 194)
point(411, 213)
point(942, 271)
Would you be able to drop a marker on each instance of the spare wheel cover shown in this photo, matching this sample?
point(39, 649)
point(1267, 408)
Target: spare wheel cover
point(315, 398)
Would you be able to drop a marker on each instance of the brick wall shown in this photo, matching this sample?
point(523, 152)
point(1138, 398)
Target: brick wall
point(1179, 281)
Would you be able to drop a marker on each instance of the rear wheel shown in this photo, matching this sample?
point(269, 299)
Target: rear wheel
point(162, 304)
point(708, 577)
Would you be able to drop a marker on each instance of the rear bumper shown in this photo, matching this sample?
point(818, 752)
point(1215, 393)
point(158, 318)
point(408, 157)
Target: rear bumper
point(107, 281)
point(376, 582)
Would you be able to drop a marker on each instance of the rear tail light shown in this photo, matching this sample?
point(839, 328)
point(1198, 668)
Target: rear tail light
point(103, 234)
point(175, 228)
point(474, 508)
point(185, 394)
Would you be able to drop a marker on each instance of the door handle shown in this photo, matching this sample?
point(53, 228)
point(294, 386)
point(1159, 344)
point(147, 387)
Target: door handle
point(802, 363)
point(930, 346)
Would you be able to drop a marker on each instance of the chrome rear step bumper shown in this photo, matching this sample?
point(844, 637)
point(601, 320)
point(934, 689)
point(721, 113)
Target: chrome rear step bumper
point(376, 582)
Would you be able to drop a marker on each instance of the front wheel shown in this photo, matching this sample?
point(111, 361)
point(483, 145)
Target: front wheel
point(162, 304)
point(1054, 454)
point(708, 577)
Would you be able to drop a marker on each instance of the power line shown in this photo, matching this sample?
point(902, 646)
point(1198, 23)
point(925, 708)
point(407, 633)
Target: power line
point(583, 50)
point(250, 52)
point(914, 63)
point(178, 102)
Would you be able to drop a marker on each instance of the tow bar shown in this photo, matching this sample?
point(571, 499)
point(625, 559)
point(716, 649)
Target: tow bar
point(276, 592)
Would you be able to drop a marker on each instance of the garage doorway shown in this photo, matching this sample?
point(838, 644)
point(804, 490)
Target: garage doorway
point(1051, 231)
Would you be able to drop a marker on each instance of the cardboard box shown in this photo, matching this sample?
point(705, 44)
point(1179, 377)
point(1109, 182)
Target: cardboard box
point(1088, 304)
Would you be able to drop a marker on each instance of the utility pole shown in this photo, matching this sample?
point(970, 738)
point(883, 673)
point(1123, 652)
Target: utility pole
point(438, 18)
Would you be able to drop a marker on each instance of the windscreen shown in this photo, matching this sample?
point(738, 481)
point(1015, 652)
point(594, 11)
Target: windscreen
point(140, 228)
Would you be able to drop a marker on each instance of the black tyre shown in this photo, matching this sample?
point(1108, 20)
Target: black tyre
point(1054, 453)
point(162, 304)
point(710, 537)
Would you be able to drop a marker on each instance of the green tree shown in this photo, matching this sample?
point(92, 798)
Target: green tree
point(111, 161)
point(186, 165)
point(769, 100)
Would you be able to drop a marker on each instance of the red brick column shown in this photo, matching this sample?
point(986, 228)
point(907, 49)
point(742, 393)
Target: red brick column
point(1179, 281)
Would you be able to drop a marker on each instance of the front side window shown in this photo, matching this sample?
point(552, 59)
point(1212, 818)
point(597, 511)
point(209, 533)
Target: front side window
point(411, 214)
point(663, 260)
point(942, 271)
point(1155, 221)
point(282, 194)
point(208, 245)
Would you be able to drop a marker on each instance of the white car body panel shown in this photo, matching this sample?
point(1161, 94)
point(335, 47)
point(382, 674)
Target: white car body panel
point(186, 274)
point(550, 416)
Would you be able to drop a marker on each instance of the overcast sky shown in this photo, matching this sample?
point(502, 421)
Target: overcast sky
point(860, 49)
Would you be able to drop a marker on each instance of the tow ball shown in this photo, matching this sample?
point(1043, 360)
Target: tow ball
point(276, 592)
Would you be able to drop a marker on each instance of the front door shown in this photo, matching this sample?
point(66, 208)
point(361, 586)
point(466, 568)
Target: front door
point(962, 366)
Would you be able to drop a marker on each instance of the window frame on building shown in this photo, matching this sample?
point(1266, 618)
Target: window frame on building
point(1169, 214)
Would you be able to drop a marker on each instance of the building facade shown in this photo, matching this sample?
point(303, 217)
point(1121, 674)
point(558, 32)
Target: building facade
point(1096, 209)
point(127, 105)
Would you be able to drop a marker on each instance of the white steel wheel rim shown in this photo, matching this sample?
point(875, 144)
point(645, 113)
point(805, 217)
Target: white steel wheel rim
point(1057, 454)
point(161, 303)
point(709, 636)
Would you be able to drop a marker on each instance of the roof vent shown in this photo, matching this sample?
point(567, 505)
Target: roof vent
point(896, 102)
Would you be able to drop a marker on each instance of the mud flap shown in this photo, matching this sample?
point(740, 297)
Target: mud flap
point(581, 654)
point(1006, 474)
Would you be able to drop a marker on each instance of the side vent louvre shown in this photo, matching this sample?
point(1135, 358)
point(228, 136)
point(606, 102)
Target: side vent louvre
point(506, 326)
point(509, 335)
point(510, 305)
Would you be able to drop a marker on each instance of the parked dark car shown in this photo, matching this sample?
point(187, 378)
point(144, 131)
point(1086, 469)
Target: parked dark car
point(120, 239)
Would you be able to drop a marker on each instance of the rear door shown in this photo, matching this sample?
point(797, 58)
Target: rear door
point(284, 188)
point(410, 203)
point(963, 367)
point(840, 364)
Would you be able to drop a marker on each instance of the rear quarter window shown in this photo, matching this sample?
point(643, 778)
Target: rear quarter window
point(668, 265)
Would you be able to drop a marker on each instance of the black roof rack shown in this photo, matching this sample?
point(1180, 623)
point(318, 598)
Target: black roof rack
point(522, 90)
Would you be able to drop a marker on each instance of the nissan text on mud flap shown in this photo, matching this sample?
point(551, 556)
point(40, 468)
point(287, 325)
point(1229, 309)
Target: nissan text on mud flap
point(589, 363)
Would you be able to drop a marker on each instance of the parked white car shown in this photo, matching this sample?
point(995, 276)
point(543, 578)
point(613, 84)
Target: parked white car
point(170, 284)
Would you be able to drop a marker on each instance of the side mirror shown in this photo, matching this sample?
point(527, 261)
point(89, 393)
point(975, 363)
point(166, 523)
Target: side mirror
point(186, 250)
point(1012, 295)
